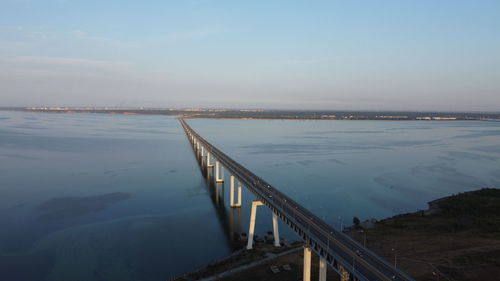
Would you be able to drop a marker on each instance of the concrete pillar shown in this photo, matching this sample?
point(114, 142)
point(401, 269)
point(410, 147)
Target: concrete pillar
point(251, 229)
point(218, 166)
point(322, 269)
point(208, 160)
point(276, 232)
point(231, 192)
point(216, 171)
point(239, 195)
point(202, 155)
point(307, 264)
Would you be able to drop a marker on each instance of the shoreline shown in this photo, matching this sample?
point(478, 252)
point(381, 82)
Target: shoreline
point(424, 244)
point(282, 115)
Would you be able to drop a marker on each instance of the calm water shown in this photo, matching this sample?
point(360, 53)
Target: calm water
point(114, 197)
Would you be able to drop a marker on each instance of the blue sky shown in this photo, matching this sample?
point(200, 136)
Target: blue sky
point(371, 55)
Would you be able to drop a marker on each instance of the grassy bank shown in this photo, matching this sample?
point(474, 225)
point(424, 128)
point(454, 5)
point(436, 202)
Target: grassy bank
point(458, 238)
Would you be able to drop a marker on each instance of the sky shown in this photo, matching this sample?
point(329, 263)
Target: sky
point(334, 55)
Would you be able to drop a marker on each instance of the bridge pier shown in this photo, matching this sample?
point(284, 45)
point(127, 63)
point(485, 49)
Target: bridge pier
point(209, 165)
point(239, 195)
point(307, 264)
point(251, 229)
point(322, 269)
point(218, 178)
point(231, 194)
point(276, 232)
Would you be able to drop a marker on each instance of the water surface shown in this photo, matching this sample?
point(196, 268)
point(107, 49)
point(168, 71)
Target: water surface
point(117, 197)
point(102, 197)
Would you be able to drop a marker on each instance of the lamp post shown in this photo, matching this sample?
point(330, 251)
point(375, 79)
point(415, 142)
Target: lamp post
point(395, 257)
point(364, 237)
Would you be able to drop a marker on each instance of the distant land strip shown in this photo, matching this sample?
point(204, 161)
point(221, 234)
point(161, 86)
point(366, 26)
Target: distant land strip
point(273, 114)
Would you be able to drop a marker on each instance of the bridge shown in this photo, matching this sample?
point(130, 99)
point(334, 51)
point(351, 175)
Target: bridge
point(347, 257)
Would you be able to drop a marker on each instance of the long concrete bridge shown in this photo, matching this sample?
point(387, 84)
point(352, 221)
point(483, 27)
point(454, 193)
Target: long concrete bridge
point(347, 257)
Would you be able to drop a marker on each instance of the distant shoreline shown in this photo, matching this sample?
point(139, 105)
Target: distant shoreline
point(277, 114)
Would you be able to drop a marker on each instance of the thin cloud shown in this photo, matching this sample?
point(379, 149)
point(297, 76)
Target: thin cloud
point(195, 34)
point(42, 34)
point(78, 34)
point(62, 61)
point(306, 61)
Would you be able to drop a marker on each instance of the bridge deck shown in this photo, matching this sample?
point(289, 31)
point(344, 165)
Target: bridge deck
point(336, 247)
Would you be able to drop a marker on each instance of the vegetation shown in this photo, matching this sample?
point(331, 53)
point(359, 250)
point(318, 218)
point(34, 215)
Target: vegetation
point(356, 222)
point(477, 211)
point(458, 238)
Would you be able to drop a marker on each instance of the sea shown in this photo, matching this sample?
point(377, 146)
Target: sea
point(121, 197)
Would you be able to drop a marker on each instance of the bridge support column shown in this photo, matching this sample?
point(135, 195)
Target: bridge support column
point(251, 229)
point(218, 178)
point(239, 195)
point(209, 165)
point(307, 264)
point(202, 155)
point(276, 232)
point(231, 192)
point(322, 269)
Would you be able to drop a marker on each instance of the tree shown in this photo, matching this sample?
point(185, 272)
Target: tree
point(356, 222)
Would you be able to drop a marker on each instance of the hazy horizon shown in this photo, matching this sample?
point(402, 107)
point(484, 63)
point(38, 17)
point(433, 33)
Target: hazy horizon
point(250, 109)
point(321, 55)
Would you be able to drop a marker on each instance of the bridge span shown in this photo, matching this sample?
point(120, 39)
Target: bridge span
point(349, 258)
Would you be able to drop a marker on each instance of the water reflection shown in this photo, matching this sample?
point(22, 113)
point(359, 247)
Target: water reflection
point(230, 223)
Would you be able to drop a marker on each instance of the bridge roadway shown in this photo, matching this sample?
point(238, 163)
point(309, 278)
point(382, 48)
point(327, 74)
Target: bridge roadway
point(334, 246)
